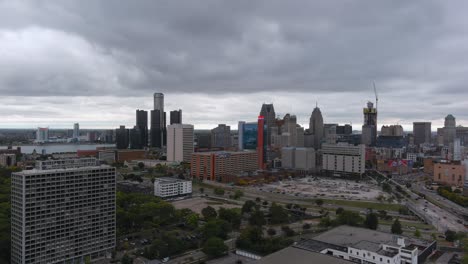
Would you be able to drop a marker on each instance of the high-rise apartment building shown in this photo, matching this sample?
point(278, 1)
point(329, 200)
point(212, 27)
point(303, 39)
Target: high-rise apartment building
point(176, 117)
point(268, 112)
point(421, 132)
point(179, 142)
point(63, 212)
point(142, 125)
point(369, 128)
point(316, 127)
point(158, 122)
point(42, 134)
point(76, 131)
point(221, 136)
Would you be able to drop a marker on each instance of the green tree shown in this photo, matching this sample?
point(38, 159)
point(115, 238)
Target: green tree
point(258, 200)
point(257, 218)
point(339, 210)
point(288, 231)
point(202, 190)
point(349, 218)
point(209, 213)
point(219, 191)
point(396, 227)
point(232, 216)
point(319, 202)
point(126, 259)
point(192, 220)
point(216, 228)
point(248, 206)
point(372, 221)
point(141, 165)
point(386, 187)
point(306, 226)
point(238, 194)
point(278, 214)
point(214, 247)
point(450, 235)
point(417, 233)
point(271, 231)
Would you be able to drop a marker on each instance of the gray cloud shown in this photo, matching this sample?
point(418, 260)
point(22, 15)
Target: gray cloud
point(327, 51)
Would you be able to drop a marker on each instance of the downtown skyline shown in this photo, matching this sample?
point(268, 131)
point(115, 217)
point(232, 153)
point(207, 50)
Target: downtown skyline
point(97, 63)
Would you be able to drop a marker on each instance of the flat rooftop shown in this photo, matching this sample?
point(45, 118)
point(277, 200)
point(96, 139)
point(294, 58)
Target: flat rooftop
point(169, 179)
point(300, 256)
point(348, 236)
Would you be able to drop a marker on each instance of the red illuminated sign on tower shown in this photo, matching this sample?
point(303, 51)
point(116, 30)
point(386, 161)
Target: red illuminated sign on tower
point(260, 143)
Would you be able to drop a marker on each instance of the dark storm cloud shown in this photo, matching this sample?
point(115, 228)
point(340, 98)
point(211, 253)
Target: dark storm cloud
point(412, 49)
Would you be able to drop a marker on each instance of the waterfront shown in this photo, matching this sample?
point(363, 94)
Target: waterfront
point(57, 148)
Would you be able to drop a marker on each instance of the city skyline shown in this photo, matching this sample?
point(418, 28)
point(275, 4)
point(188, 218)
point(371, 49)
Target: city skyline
point(96, 63)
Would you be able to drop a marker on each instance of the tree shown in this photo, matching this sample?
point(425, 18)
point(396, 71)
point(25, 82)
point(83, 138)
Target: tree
point(192, 220)
point(258, 200)
point(339, 210)
point(257, 218)
point(141, 165)
point(386, 187)
point(417, 233)
point(306, 226)
point(288, 231)
point(349, 218)
point(209, 213)
point(217, 228)
point(248, 206)
point(396, 227)
point(450, 235)
point(319, 202)
point(271, 231)
point(238, 194)
point(215, 247)
point(202, 190)
point(372, 221)
point(126, 259)
point(278, 214)
point(219, 191)
point(231, 216)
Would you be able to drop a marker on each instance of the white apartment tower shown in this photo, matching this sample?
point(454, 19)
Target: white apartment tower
point(179, 142)
point(63, 212)
point(76, 130)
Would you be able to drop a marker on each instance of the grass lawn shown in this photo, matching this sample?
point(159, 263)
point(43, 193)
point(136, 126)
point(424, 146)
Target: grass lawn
point(419, 226)
point(359, 204)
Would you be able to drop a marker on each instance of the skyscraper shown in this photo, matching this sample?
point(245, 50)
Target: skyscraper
point(179, 142)
point(142, 125)
point(261, 142)
point(369, 128)
point(316, 127)
point(176, 117)
point(42, 134)
point(76, 131)
point(449, 130)
point(122, 137)
point(268, 112)
point(422, 132)
point(158, 123)
point(63, 212)
point(221, 136)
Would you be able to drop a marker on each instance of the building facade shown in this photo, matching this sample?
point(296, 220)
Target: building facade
point(122, 137)
point(7, 160)
point(316, 127)
point(214, 166)
point(343, 159)
point(422, 133)
point(180, 142)
point(167, 187)
point(142, 125)
point(268, 112)
point(221, 137)
point(452, 174)
point(298, 158)
point(176, 117)
point(63, 211)
point(369, 128)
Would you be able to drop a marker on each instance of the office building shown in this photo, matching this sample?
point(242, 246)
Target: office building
point(176, 117)
point(158, 122)
point(369, 128)
point(63, 212)
point(167, 187)
point(361, 245)
point(42, 134)
point(203, 139)
point(180, 143)
point(220, 165)
point(247, 135)
point(268, 112)
point(316, 127)
point(7, 160)
point(122, 138)
point(449, 173)
point(261, 143)
point(221, 137)
point(391, 131)
point(76, 131)
point(142, 126)
point(343, 159)
point(344, 129)
point(298, 158)
point(135, 138)
point(422, 133)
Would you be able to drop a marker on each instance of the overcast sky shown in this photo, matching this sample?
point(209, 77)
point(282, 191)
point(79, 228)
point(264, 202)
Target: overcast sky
point(96, 62)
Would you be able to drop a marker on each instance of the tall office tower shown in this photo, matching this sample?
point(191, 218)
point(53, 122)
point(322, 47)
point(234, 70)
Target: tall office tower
point(142, 125)
point(268, 112)
point(176, 117)
point(240, 133)
point(221, 136)
point(369, 128)
point(122, 137)
point(76, 130)
point(42, 134)
point(344, 129)
point(135, 139)
point(261, 142)
point(316, 127)
point(179, 142)
point(63, 212)
point(158, 123)
point(421, 132)
point(449, 130)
